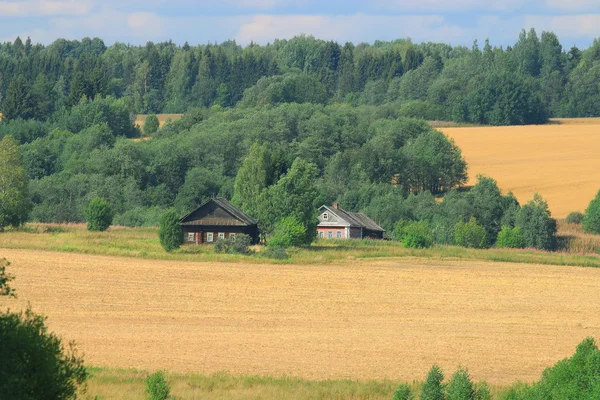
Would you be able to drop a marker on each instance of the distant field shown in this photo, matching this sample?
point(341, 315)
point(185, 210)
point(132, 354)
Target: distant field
point(162, 118)
point(357, 319)
point(559, 160)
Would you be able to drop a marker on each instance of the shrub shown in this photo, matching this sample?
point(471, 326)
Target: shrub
point(470, 234)
point(5, 278)
point(591, 219)
point(35, 364)
point(151, 124)
point(170, 232)
point(288, 232)
point(99, 215)
point(461, 387)
point(414, 235)
point(433, 388)
point(221, 246)
point(157, 387)
point(403, 393)
point(238, 244)
point(275, 253)
point(575, 217)
point(510, 238)
point(538, 227)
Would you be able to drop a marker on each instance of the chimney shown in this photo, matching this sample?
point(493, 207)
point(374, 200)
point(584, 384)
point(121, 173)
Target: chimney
point(335, 205)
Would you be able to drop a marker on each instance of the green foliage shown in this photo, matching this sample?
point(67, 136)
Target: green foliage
point(99, 215)
point(151, 124)
point(461, 387)
point(157, 387)
point(170, 232)
point(403, 392)
point(591, 219)
point(470, 234)
point(238, 244)
point(414, 235)
point(275, 253)
point(538, 227)
point(35, 363)
point(289, 232)
point(575, 217)
point(5, 278)
point(14, 199)
point(510, 238)
point(433, 388)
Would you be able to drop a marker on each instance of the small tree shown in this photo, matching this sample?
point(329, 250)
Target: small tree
point(151, 124)
point(170, 232)
point(591, 219)
point(35, 363)
point(99, 215)
point(470, 234)
point(510, 238)
point(5, 278)
point(403, 393)
point(414, 235)
point(433, 388)
point(14, 199)
point(157, 387)
point(575, 217)
point(538, 227)
point(289, 232)
point(461, 387)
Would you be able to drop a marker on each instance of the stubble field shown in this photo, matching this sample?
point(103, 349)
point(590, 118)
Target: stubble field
point(559, 160)
point(355, 319)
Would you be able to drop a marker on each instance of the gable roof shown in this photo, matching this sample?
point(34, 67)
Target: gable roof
point(222, 203)
point(355, 219)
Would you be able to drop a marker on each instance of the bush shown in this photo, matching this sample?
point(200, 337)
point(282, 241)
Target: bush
point(591, 219)
point(99, 215)
point(538, 227)
point(575, 218)
point(288, 232)
point(157, 387)
point(461, 387)
point(275, 253)
point(5, 289)
point(414, 235)
point(239, 244)
point(403, 393)
point(170, 232)
point(151, 124)
point(35, 364)
point(433, 388)
point(470, 234)
point(510, 238)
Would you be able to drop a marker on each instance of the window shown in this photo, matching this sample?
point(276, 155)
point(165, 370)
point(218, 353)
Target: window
point(209, 237)
point(325, 216)
point(330, 235)
point(321, 235)
point(339, 234)
point(221, 235)
point(191, 237)
point(232, 237)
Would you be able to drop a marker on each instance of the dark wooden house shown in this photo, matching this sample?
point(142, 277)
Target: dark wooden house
point(335, 223)
point(217, 219)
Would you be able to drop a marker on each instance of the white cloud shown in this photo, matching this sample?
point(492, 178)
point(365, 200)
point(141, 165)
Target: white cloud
point(451, 6)
point(566, 26)
point(355, 28)
point(145, 24)
point(573, 5)
point(44, 8)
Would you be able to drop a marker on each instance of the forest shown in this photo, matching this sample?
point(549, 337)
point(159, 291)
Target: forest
point(281, 128)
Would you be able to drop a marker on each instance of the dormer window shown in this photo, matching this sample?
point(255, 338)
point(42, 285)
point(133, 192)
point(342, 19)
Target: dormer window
point(325, 216)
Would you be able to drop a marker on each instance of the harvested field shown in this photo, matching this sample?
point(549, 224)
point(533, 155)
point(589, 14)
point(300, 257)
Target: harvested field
point(162, 118)
point(560, 161)
point(356, 319)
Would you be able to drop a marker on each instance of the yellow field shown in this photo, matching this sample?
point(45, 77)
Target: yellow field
point(162, 118)
point(560, 160)
point(355, 319)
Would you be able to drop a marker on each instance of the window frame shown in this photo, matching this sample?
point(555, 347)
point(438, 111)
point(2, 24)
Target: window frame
point(325, 216)
point(322, 235)
point(339, 235)
point(330, 235)
point(232, 236)
point(191, 236)
point(221, 235)
point(210, 237)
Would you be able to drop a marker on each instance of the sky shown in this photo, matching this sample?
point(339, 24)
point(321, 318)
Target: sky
point(457, 22)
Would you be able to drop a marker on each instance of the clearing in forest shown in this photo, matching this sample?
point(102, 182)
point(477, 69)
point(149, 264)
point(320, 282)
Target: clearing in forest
point(353, 319)
point(560, 160)
point(162, 118)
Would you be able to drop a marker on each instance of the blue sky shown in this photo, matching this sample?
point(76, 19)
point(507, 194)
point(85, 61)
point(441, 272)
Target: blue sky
point(201, 21)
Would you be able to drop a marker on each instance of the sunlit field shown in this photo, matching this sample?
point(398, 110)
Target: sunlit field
point(162, 118)
point(560, 160)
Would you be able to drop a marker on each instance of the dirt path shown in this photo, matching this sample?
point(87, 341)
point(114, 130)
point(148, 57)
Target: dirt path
point(369, 319)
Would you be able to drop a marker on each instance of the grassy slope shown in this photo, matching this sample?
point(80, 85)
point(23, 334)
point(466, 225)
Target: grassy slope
point(143, 243)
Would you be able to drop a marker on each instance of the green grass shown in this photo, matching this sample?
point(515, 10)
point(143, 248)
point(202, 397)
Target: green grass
point(123, 384)
point(143, 243)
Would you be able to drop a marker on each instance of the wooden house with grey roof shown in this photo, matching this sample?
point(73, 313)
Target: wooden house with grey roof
point(217, 219)
point(336, 223)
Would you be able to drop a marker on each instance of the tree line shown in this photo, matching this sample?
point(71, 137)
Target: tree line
point(528, 82)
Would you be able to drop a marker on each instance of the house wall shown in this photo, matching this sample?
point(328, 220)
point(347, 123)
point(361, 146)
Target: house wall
point(199, 234)
point(372, 234)
point(356, 233)
point(323, 232)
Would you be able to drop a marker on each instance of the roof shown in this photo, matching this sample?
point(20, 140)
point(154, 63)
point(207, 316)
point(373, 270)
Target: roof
point(242, 217)
point(355, 219)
